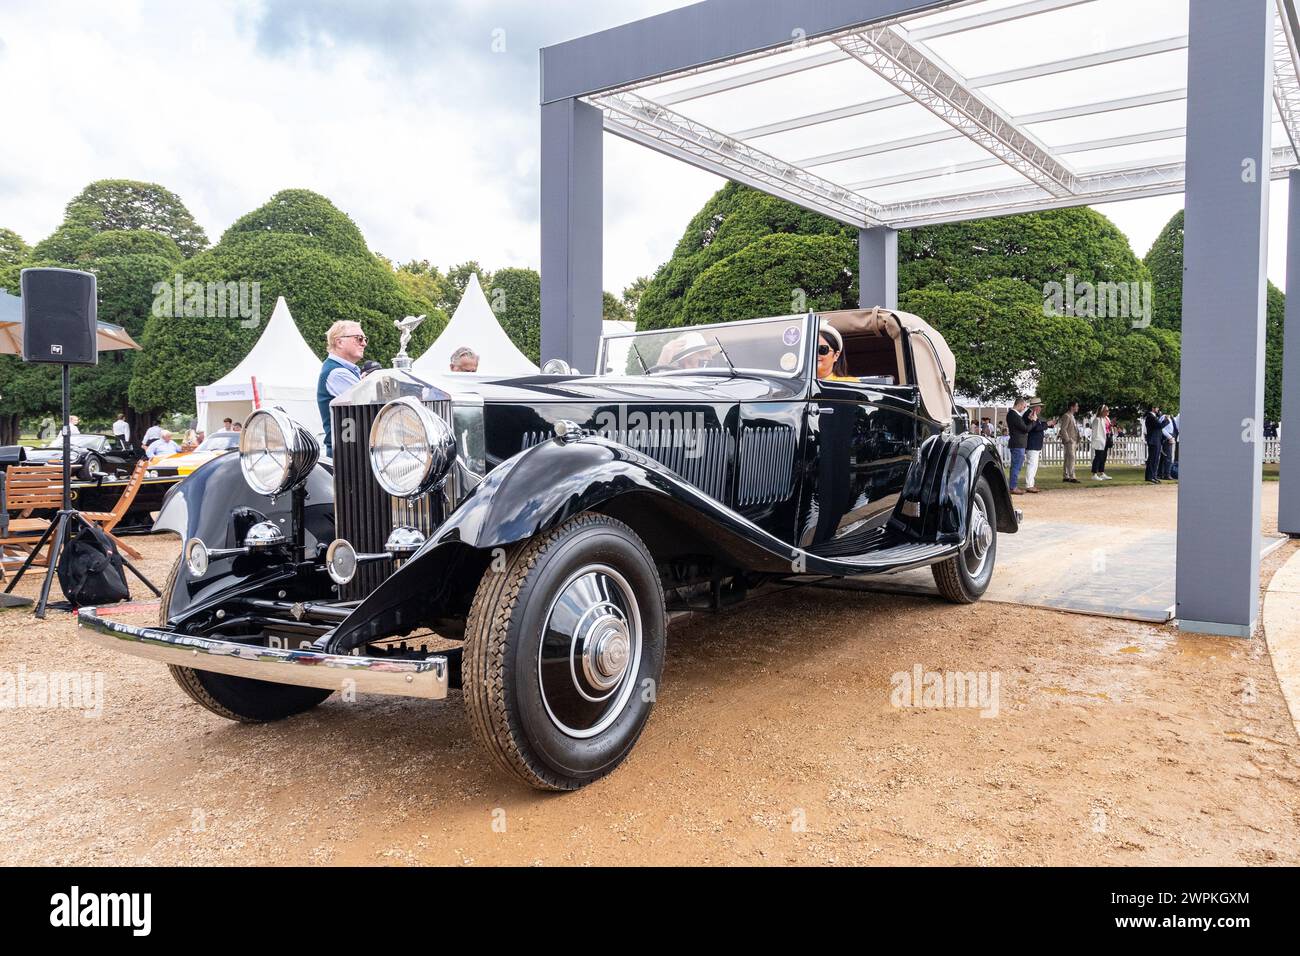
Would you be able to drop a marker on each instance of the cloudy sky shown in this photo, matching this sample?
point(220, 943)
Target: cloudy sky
point(400, 111)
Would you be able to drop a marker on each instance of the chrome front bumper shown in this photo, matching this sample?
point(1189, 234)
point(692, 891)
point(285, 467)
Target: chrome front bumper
point(366, 675)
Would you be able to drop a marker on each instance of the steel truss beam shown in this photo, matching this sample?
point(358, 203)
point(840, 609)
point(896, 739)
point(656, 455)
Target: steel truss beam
point(1095, 188)
point(1026, 119)
point(640, 120)
point(945, 94)
point(1152, 136)
point(1286, 73)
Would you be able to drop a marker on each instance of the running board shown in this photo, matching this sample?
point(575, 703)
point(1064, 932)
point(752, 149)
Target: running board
point(901, 557)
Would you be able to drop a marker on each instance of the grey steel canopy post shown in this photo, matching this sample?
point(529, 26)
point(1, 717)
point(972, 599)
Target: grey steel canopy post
point(572, 231)
point(1229, 90)
point(878, 267)
point(1288, 498)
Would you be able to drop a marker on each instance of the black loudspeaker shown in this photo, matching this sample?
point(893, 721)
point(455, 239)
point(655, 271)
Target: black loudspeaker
point(59, 317)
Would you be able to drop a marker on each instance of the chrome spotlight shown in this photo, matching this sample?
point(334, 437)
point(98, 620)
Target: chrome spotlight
point(263, 535)
point(404, 542)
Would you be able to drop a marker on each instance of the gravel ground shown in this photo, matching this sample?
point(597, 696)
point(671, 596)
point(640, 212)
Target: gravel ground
point(774, 741)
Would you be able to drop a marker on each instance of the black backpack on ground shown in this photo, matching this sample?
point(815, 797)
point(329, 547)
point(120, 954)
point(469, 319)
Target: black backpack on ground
point(90, 569)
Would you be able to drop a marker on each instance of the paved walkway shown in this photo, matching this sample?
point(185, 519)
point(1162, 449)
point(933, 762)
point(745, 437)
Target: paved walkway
point(1282, 631)
point(1112, 571)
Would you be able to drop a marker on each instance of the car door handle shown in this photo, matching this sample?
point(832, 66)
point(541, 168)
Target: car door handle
point(822, 409)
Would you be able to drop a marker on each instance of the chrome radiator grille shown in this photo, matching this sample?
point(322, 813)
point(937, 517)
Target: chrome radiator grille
point(364, 513)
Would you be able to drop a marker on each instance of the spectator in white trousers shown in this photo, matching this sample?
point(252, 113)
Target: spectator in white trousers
point(1034, 442)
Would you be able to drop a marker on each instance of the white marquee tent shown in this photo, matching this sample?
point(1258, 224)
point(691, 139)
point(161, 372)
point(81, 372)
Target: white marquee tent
point(475, 324)
point(280, 369)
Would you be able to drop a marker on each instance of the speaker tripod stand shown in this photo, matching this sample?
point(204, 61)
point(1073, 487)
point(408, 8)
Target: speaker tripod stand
point(65, 522)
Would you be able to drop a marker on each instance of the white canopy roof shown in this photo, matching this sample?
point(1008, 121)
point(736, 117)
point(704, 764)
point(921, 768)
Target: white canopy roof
point(977, 108)
point(475, 324)
point(280, 369)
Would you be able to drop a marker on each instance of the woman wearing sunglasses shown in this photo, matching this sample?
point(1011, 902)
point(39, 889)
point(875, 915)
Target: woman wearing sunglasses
point(831, 366)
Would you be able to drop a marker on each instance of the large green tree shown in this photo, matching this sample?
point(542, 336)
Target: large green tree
point(1037, 248)
point(778, 274)
point(13, 251)
point(986, 285)
point(455, 281)
point(732, 219)
point(126, 233)
point(112, 205)
point(516, 297)
point(300, 246)
point(1165, 262)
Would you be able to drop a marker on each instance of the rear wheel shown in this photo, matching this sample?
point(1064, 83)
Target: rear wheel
point(965, 576)
point(237, 698)
point(564, 651)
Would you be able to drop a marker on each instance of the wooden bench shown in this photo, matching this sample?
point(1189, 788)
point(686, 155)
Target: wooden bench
point(25, 489)
point(30, 488)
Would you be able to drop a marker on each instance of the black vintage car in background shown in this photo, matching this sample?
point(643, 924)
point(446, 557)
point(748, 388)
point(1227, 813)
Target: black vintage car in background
point(526, 538)
point(92, 455)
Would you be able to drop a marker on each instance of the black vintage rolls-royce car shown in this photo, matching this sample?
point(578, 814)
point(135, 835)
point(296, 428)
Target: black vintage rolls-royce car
point(538, 531)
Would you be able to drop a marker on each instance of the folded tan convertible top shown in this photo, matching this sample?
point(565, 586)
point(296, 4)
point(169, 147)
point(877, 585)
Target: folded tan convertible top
point(936, 368)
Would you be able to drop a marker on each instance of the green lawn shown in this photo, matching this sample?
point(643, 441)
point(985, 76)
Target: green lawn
point(1049, 476)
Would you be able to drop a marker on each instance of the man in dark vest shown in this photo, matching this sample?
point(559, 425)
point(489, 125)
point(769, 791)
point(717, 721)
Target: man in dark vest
point(1018, 430)
point(340, 370)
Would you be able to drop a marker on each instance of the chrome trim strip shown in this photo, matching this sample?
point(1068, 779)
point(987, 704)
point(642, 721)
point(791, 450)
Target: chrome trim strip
point(305, 668)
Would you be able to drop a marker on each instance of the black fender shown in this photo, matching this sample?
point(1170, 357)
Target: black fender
point(544, 486)
point(942, 479)
point(215, 504)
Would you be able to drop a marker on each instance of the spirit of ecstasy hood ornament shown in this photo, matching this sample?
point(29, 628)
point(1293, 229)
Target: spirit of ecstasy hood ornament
point(406, 326)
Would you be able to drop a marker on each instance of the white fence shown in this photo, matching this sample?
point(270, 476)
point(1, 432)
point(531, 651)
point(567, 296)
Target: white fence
point(1126, 451)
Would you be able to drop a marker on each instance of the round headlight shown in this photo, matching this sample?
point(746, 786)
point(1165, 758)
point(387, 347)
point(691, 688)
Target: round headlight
point(411, 448)
point(275, 453)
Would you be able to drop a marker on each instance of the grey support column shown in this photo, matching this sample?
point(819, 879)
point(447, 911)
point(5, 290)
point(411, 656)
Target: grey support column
point(1229, 98)
point(878, 267)
point(572, 231)
point(1288, 498)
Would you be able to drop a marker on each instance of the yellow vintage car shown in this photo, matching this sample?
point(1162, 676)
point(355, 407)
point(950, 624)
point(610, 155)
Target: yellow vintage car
point(183, 463)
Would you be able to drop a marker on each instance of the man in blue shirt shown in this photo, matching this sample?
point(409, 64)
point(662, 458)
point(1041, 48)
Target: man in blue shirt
point(340, 371)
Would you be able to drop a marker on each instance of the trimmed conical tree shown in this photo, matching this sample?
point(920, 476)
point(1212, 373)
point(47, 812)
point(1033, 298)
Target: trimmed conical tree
point(298, 245)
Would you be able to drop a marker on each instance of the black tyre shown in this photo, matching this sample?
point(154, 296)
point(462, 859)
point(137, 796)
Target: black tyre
point(564, 649)
point(92, 467)
point(238, 698)
point(965, 576)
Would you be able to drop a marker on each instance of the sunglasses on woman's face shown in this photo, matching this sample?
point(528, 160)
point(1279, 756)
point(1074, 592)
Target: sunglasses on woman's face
point(824, 349)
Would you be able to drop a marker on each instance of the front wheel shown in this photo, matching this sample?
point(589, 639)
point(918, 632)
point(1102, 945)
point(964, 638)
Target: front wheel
point(965, 576)
point(92, 468)
point(237, 698)
point(564, 648)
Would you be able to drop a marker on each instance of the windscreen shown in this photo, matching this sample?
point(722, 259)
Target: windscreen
point(774, 346)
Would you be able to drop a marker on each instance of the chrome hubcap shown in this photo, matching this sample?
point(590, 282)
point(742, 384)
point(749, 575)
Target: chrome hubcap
point(606, 653)
point(590, 651)
point(981, 539)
